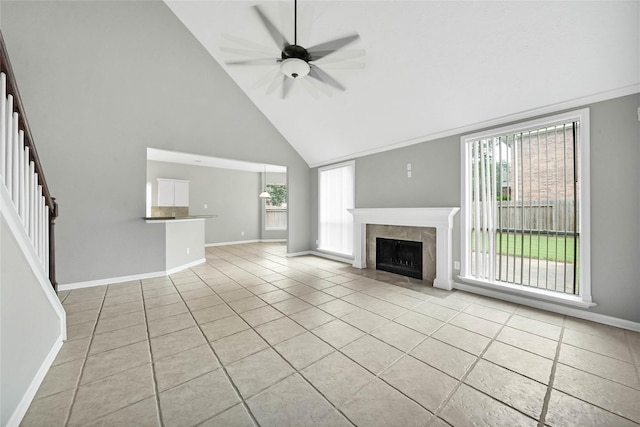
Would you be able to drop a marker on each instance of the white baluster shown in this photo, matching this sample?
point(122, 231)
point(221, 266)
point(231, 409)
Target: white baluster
point(3, 124)
point(33, 180)
point(8, 175)
point(46, 240)
point(39, 232)
point(25, 189)
point(15, 161)
point(20, 197)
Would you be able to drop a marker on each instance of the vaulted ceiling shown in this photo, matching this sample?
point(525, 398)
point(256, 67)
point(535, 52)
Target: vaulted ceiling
point(431, 69)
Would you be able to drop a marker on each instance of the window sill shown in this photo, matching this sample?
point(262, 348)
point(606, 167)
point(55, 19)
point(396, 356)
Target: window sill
point(275, 229)
point(523, 291)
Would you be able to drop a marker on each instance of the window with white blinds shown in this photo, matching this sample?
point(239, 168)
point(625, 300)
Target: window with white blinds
point(525, 205)
point(336, 194)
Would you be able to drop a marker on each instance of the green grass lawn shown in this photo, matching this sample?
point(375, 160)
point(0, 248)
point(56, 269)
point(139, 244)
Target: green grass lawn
point(553, 248)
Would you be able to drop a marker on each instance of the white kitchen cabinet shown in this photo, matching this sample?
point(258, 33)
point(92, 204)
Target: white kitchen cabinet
point(173, 192)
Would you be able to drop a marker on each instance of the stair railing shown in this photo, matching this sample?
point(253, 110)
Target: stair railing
point(21, 171)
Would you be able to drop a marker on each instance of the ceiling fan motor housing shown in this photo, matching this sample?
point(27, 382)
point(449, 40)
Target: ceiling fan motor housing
point(295, 61)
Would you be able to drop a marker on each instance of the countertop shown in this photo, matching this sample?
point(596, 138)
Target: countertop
point(151, 219)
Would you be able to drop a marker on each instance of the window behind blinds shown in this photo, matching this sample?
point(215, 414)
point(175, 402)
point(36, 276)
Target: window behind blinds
point(336, 195)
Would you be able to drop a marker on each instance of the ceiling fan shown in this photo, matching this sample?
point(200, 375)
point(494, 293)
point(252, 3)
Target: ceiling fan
point(296, 63)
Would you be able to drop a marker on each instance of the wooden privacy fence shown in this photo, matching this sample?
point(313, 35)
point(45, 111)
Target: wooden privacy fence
point(275, 218)
point(550, 215)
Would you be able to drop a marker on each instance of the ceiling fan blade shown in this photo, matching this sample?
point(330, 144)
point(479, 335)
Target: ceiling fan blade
point(250, 53)
point(276, 35)
point(275, 84)
point(344, 65)
point(310, 85)
point(340, 55)
point(322, 76)
point(267, 78)
point(247, 44)
point(261, 61)
point(327, 48)
point(287, 84)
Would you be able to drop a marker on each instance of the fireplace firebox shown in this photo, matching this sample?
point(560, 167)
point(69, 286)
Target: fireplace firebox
point(399, 256)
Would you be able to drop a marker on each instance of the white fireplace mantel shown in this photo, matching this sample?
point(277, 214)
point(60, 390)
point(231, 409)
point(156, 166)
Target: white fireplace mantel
point(440, 218)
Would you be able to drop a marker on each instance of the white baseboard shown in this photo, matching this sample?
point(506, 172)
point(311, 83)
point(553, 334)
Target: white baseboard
point(121, 279)
point(27, 398)
point(322, 255)
point(241, 242)
point(549, 306)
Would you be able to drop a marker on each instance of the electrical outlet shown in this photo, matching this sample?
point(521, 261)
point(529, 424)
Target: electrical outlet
point(456, 265)
point(205, 206)
point(408, 174)
point(187, 251)
point(242, 233)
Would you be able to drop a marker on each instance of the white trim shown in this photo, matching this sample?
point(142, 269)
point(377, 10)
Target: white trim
point(581, 116)
point(295, 254)
point(334, 257)
point(27, 398)
point(121, 279)
point(240, 242)
point(522, 115)
point(550, 306)
point(185, 266)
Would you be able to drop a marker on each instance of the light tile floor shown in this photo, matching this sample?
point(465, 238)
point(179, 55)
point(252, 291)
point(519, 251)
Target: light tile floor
point(255, 338)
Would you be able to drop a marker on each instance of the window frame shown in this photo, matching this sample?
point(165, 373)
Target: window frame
point(351, 163)
point(583, 299)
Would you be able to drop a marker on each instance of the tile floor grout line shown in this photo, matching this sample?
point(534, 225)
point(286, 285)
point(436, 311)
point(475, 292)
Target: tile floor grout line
point(634, 363)
point(215, 354)
point(552, 376)
point(153, 362)
point(86, 357)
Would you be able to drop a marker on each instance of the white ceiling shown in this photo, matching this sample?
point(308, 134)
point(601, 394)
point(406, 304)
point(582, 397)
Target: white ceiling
point(431, 68)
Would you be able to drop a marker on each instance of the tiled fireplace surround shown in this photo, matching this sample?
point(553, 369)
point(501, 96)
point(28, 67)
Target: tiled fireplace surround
point(415, 224)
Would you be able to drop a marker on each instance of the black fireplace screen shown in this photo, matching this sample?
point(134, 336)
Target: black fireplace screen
point(399, 256)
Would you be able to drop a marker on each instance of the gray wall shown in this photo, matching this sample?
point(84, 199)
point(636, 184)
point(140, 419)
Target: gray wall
point(29, 326)
point(381, 181)
point(230, 194)
point(101, 81)
point(183, 235)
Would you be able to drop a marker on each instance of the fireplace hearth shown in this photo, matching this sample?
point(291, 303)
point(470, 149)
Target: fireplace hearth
point(399, 256)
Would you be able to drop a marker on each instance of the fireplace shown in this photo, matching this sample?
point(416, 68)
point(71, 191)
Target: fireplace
point(399, 256)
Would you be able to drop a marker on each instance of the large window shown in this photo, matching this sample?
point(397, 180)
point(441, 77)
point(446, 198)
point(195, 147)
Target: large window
point(336, 195)
point(525, 205)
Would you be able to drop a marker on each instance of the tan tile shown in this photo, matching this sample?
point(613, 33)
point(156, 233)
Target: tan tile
point(436, 311)
point(130, 298)
point(72, 350)
point(236, 416)
point(613, 346)
point(360, 300)
point(197, 400)
point(49, 411)
point(113, 361)
point(162, 300)
point(338, 291)
point(567, 411)
point(451, 302)
point(465, 340)
point(317, 297)
point(60, 377)
point(77, 317)
point(246, 304)
point(537, 327)
point(387, 309)
point(176, 342)
point(118, 338)
point(260, 315)
point(402, 300)
point(290, 306)
point(167, 325)
point(508, 387)
point(234, 347)
point(593, 328)
point(476, 324)
point(145, 414)
point(235, 294)
point(210, 314)
point(496, 303)
point(488, 313)
point(119, 322)
point(163, 311)
point(445, 357)
point(275, 296)
point(337, 307)
point(419, 322)
point(337, 377)
point(80, 330)
point(258, 371)
point(78, 306)
point(262, 288)
point(398, 336)
point(123, 389)
point(614, 397)
point(197, 293)
point(200, 303)
point(279, 330)
point(159, 291)
point(529, 342)
point(223, 327)
point(470, 407)
point(300, 290)
point(364, 320)
point(312, 317)
point(419, 381)
point(379, 405)
point(184, 366)
point(523, 362)
point(541, 315)
point(302, 350)
point(120, 309)
point(372, 353)
point(338, 333)
point(603, 366)
point(292, 402)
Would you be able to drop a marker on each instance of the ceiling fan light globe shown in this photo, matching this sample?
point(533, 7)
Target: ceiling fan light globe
point(294, 68)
